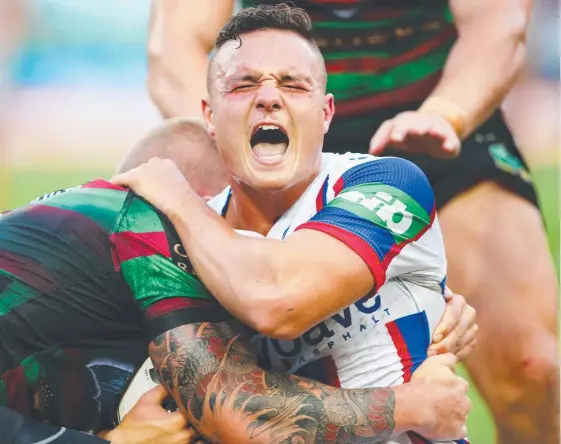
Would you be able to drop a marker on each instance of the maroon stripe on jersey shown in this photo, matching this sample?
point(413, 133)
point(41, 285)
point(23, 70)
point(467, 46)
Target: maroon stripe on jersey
point(357, 244)
point(369, 15)
point(414, 93)
point(417, 439)
point(17, 396)
point(30, 262)
point(129, 245)
point(172, 304)
point(103, 184)
point(31, 272)
point(377, 64)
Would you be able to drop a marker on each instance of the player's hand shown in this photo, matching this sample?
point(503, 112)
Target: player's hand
point(149, 423)
point(417, 132)
point(457, 330)
point(444, 395)
point(159, 181)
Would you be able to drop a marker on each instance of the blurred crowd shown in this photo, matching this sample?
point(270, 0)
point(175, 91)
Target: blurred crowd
point(72, 83)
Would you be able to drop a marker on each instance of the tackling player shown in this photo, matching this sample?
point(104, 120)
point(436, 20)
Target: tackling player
point(88, 276)
point(435, 73)
point(353, 267)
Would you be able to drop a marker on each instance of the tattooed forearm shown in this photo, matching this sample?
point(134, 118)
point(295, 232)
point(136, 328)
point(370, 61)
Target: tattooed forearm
point(217, 383)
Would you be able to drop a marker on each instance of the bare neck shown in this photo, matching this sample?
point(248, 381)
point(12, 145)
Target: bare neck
point(258, 211)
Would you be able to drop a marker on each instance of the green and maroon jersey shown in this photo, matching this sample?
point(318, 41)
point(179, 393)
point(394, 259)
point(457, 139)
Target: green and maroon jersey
point(87, 277)
point(379, 53)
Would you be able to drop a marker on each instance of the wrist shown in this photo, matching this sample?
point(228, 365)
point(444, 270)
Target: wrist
point(449, 111)
point(177, 202)
point(407, 414)
point(113, 436)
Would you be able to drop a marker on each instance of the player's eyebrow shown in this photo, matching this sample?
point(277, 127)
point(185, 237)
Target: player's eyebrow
point(282, 78)
point(297, 78)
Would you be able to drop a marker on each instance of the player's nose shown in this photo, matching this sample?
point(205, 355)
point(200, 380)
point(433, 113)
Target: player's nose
point(268, 98)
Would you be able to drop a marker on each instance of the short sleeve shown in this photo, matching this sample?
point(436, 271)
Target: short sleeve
point(149, 254)
point(383, 210)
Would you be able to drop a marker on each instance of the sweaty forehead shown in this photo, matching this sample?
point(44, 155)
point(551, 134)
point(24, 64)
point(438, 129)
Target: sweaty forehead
point(267, 52)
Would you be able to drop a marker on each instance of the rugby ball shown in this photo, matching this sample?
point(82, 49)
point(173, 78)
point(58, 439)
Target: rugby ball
point(144, 379)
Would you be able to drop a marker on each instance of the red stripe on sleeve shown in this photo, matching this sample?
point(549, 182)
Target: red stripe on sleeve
point(17, 395)
point(171, 304)
point(104, 184)
point(129, 245)
point(402, 350)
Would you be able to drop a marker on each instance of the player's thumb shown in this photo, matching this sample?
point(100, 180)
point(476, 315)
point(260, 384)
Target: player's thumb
point(155, 395)
point(120, 179)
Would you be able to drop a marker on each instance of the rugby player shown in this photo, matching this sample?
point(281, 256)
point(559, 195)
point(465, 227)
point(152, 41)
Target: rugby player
point(426, 76)
point(88, 276)
point(352, 273)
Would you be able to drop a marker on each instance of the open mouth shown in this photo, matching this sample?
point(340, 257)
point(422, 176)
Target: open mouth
point(269, 143)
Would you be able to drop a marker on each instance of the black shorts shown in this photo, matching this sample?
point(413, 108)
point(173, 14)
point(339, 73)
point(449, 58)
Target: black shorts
point(490, 153)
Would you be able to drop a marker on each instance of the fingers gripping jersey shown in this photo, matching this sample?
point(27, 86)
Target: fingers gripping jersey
point(384, 210)
point(87, 276)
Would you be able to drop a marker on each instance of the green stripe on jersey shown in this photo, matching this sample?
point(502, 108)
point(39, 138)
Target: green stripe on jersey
point(385, 206)
point(100, 205)
point(155, 277)
point(31, 369)
point(15, 294)
point(352, 85)
point(140, 217)
point(353, 25)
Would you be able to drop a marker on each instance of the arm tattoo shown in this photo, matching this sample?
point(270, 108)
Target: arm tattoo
point(216, 382)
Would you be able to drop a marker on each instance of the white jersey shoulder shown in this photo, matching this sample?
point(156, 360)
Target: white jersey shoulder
point(386, 208)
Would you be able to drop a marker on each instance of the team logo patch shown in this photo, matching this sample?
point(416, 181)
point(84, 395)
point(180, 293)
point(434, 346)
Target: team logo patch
point(387, 207)
point(508, 162)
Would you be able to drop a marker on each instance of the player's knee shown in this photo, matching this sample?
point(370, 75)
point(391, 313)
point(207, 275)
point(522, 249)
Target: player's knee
point(539, 369)
point(536, 369)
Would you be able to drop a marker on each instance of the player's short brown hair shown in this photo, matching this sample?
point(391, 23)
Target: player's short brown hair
point(283, 16)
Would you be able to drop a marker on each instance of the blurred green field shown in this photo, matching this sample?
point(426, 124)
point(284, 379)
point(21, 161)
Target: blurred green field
point(25, 185)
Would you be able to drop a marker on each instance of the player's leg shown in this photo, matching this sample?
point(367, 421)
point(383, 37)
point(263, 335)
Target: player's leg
point(498, 258)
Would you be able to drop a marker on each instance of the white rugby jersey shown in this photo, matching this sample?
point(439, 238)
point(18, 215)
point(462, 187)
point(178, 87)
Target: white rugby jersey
point(383, 208)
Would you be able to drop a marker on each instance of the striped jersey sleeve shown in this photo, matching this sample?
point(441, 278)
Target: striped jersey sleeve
point(384, 209)
point(149, 254)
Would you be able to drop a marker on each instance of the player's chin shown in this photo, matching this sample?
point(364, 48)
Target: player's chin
point(279, 178)
point(270, 182)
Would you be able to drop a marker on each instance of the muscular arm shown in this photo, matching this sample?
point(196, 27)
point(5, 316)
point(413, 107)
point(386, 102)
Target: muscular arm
point(328, 263)
point(217, 384)
point(182, 32)
point(486, 59)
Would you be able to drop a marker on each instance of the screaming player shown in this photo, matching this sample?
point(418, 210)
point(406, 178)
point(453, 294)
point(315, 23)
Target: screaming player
point(423, 77)
point(91, 275)
point(353, 268)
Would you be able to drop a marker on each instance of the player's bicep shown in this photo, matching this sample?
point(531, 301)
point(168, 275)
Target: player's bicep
point(184, 22)
point(472, 14)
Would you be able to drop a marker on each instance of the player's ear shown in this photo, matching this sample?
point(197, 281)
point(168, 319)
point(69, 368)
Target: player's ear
point(328, 111)
point(207, 115)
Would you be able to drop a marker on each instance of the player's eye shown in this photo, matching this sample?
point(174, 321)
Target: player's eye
point(241, 87)
point(294, 87)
